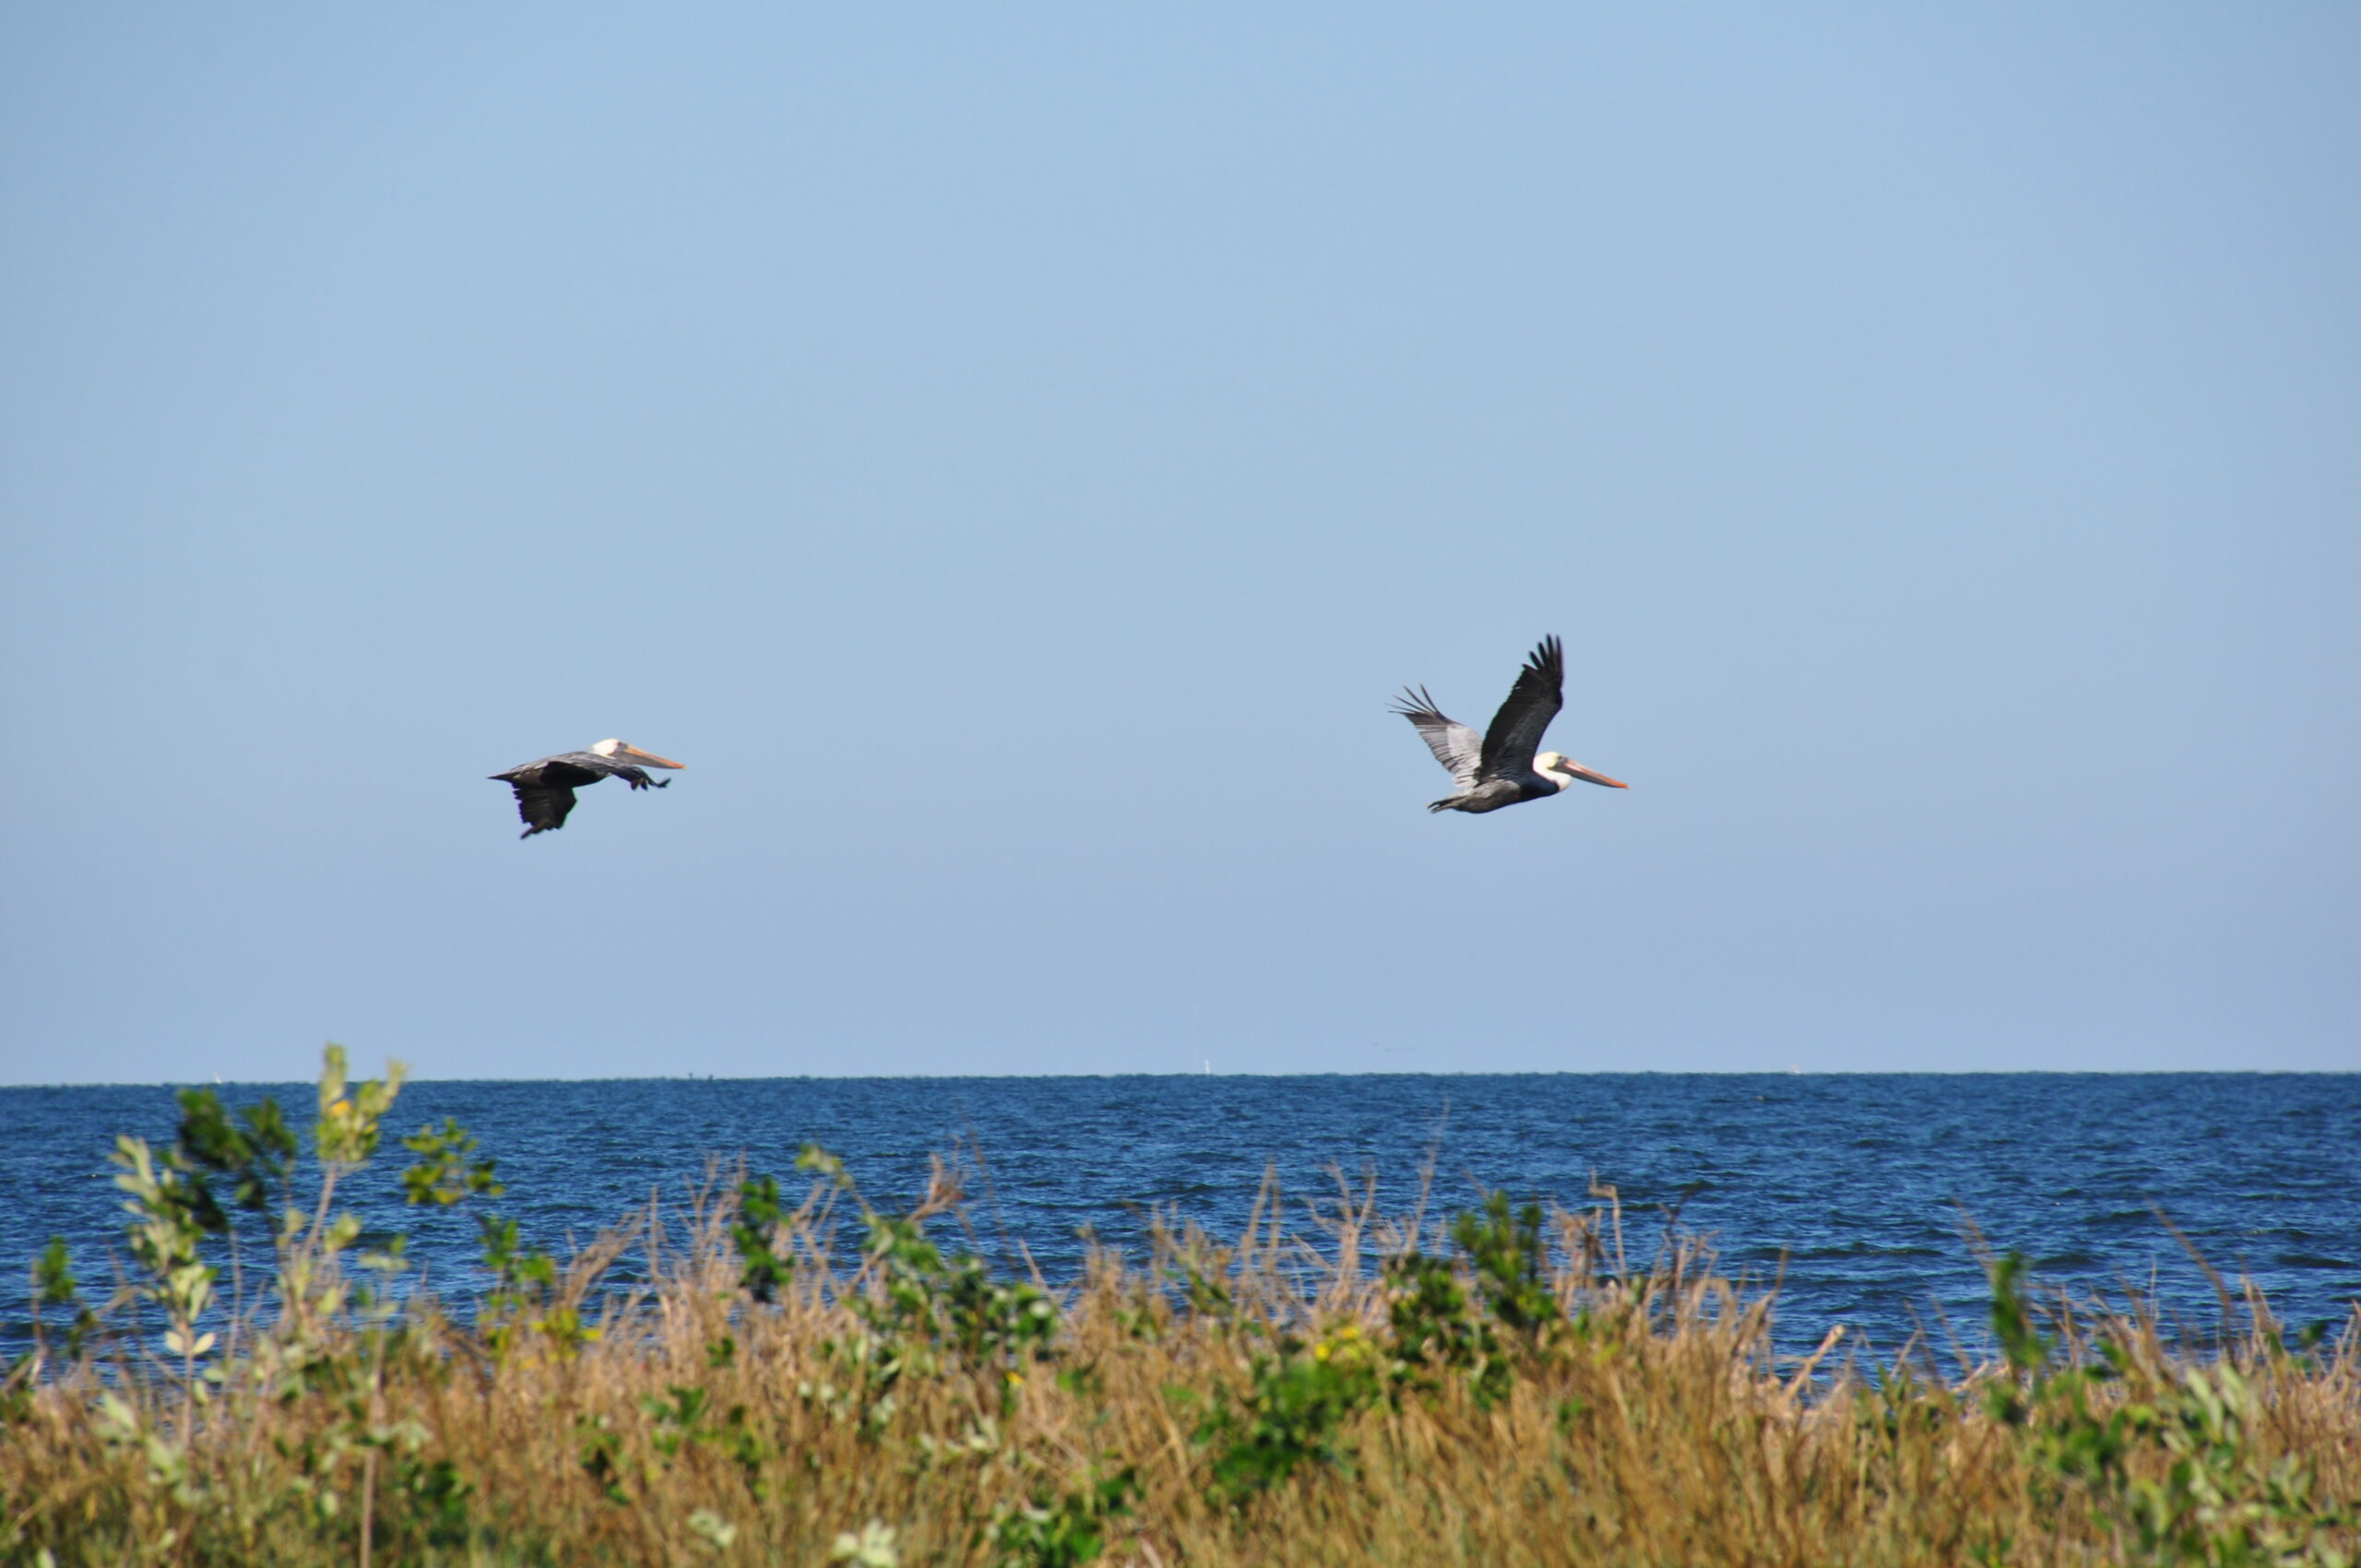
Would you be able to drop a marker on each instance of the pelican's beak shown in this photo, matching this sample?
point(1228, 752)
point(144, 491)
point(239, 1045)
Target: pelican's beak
point(649, 758)
point(1593, 775)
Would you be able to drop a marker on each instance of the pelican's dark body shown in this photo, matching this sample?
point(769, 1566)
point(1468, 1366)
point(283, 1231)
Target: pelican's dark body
point(545, 788)
point(1494, 793)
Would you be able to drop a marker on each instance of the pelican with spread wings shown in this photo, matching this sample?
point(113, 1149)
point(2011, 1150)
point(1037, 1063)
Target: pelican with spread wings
point(545, 788)
point(1499, 768)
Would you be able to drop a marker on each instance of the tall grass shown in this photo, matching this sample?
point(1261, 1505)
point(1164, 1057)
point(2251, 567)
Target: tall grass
point(800, 1378)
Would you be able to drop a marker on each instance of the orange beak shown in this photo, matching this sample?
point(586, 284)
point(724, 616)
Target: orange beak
point(651, 758)
point(1593, 775)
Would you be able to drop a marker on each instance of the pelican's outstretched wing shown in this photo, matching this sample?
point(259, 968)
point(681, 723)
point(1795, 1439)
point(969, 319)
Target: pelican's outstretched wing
point(1534, 701)
point(1457, 747)
point(542, 806)
point(545, 788)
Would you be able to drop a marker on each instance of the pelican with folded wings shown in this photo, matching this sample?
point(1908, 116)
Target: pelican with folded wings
point(545, 788)
point(1499, 768)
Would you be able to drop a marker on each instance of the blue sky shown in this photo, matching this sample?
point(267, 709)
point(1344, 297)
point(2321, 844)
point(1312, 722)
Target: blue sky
point(1012, 458)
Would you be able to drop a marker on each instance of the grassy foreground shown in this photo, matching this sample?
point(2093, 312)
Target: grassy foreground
point(804, 1378)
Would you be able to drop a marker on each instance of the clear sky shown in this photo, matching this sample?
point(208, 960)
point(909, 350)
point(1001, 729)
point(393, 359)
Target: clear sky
point(1010, 454)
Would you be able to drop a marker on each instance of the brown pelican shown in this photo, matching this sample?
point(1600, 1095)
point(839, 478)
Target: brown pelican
point(1500, 769)
point(545, 788)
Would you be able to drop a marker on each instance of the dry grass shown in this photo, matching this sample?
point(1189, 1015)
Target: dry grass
point(1290, 1397)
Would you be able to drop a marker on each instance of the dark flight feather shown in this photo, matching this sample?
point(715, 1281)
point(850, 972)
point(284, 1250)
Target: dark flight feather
point(1516, 729)
point(543, 807)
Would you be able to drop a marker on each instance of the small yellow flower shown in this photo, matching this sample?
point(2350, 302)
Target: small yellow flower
point(340, 1107)
point(1320, 1351)
point(1017, 1380)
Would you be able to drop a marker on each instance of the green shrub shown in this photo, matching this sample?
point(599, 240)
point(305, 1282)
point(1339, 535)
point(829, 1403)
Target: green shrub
point(1294, 1410)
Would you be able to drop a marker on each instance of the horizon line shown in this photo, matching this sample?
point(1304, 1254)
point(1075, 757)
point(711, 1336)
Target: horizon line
point(217, 1081)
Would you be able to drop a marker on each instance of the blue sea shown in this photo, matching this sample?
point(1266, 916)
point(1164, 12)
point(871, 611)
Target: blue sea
point(1856, 1193)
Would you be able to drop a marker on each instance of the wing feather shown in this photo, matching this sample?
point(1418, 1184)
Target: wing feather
point(1456, 746)
point(541, 807)
point(1516, 729)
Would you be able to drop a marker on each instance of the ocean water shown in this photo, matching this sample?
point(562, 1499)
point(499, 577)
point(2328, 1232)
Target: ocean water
point(1854, 1192)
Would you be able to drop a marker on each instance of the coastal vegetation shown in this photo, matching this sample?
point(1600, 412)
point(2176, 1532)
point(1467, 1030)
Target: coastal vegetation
point(778, 1370)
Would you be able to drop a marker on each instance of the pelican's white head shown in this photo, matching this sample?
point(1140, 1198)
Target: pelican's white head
point(613, 748)
point(1563, 770)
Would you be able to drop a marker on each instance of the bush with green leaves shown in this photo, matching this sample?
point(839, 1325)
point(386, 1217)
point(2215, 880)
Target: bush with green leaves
point(1506, 1248)
point(1299, 1401)
point(2167, 1456)
point(1440, 1328)
point(1063, 1531)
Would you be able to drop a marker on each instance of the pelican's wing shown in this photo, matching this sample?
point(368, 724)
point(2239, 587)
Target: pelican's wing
point(567, 768)
point(1532, 702)
point(582, 767)
point(542, 807)
point(1456, 746)
point(545, 788)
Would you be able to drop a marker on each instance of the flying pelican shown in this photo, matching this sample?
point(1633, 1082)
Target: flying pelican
point(545, 788)
point(1501, 768)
